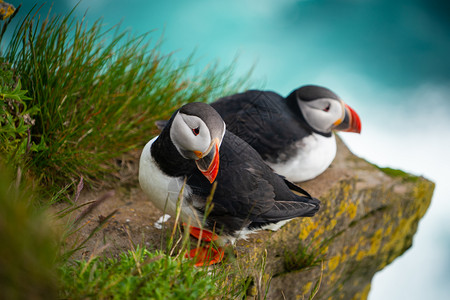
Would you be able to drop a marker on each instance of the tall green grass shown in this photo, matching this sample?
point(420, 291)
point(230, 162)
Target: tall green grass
point(74, 97)
point(98, 92)
point(140, 274)
point(34, 265)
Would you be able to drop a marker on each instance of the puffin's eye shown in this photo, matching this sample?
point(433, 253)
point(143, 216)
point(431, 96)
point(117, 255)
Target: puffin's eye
point(196, 131)
point(327, 108)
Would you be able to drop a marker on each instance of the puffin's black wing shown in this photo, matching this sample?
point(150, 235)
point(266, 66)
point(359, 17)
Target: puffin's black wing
point(264, 120)
point(248, 192)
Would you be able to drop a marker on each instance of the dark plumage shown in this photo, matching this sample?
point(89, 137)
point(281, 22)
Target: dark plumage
point(265, 120)
point(248, 195)
point(293, 135)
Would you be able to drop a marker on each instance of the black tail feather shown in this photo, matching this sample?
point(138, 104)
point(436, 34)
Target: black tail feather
point(296, 188)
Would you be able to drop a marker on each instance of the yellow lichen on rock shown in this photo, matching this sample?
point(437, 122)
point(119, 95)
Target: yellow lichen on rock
point(363, 294)
point(306, 228)
point(333, 263)
point(6, 10)
point(375, 243)
point(307, 288)
point(331, 225)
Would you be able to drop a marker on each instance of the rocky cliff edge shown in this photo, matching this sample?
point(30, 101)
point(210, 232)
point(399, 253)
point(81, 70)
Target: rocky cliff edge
point(368, 217)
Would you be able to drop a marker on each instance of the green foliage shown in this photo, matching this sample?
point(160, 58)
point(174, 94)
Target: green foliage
point(98, 92)
point(15, 118)
point(85, 96)
point(34, 266)
point(316, 287)
point(399, 173)
point(311, 255)
point(27, 244)
point(308, 256)
point(304, 257)
point(139, 274)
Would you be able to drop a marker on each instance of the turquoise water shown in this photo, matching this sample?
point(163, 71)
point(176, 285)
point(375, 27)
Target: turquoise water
point(387, 59)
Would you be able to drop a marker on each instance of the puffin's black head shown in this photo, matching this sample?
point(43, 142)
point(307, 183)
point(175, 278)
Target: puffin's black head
point(197, 131)
point(324, 111)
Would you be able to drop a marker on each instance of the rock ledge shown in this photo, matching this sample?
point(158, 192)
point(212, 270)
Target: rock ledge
point(368, 217)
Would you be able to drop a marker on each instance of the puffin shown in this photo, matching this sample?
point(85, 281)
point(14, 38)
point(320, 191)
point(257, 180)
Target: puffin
point(196, 157)
point(294, 135)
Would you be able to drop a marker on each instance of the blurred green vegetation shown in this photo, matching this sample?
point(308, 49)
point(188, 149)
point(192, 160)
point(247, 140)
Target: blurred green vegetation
point(28, 247)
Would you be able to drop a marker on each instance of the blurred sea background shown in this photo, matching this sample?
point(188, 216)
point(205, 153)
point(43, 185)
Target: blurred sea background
point(389, 60)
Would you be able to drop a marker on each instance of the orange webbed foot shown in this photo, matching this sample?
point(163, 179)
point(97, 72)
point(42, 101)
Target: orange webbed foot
point(202, 234)
point(206, 255)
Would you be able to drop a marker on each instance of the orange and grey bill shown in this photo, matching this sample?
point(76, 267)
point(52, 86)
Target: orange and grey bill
point(213, 168)
point(355, 122)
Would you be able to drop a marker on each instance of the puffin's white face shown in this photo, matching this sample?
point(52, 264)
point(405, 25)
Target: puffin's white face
point(323, 114)
point(190, 135)
point(197, 131)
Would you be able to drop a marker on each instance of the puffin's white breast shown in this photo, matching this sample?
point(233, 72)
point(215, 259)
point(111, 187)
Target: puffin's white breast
point(161, 189)
point(314, 155)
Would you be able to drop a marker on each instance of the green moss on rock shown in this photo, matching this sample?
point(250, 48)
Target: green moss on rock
point(398, 173)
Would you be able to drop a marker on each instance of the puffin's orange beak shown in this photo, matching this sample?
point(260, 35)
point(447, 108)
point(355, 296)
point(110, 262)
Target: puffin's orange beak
point(355, 122)
point(199, 154)
point(351, 122)
point(209, 164)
